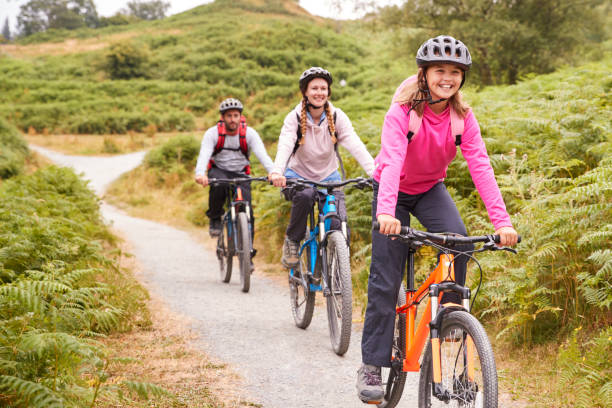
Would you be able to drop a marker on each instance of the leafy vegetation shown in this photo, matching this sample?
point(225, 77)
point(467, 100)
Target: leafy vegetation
point(61, 291)
point(13, 150)
point(548, 137)
point(507, 39)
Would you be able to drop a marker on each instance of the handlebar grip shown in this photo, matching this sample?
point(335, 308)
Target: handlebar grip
point(376, 227)
point(496, 238)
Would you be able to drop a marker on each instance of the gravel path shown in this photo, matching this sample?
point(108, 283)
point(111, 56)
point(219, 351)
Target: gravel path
point(282, 366)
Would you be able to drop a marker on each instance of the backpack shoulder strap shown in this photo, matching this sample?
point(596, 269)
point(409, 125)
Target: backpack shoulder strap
point(457, 126)
point(221, 138)
point(414, 124)
point(244, 148)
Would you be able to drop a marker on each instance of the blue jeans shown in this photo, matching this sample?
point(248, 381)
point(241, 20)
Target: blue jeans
point(303, 201)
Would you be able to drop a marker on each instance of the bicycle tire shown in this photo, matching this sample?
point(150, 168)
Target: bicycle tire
point(340, 299)
point(302, 300)
point(457, 327)
point(224, 254)
point(395, 377)
point(244, 251)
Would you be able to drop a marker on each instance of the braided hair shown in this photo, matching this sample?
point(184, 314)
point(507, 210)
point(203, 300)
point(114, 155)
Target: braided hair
point(330, 121)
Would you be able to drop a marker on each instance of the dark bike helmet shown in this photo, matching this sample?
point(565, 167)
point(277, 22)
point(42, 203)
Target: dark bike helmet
point(445, 49)
point(312, 73)
point(229, 104)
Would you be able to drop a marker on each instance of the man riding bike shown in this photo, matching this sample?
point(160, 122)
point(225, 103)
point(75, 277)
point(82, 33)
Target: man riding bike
point(225, 154)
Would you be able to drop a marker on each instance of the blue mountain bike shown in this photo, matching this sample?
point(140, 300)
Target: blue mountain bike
point(325, 266)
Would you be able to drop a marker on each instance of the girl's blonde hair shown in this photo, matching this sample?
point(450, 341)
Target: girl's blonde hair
point(330, 121)
point(414, 90)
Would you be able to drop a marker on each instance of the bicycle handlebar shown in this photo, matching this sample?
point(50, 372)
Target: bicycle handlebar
point(235, 180)
point(444, 239)
point(360, 182)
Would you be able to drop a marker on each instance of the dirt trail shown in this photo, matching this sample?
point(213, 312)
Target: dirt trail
point(282, 366)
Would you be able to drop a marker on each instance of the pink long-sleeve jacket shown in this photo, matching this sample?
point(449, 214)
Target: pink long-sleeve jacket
point(416, 167)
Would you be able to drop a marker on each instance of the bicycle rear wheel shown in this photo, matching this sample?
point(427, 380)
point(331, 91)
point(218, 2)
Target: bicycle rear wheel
point(340, 299)
point(469, 376)
point(244, 251)
point(224, 253)
point(302, 298)
point(393, 377)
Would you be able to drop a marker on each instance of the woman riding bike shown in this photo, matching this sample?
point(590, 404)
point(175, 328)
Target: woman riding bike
point(307, 148)
point(426, 121)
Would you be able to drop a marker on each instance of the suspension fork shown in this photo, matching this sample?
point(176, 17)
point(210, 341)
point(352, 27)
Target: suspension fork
point(437, 316)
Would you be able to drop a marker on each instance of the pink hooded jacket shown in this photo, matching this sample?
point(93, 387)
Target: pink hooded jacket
point(416, 167)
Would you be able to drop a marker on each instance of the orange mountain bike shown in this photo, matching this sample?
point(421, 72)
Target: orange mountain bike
point(458, 367)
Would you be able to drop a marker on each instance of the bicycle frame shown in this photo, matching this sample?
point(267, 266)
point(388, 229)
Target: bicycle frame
point(317, 240)
point(235, 199)
point(435, 285)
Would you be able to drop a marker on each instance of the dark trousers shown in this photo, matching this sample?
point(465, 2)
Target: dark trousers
point(218, 194)
point(302, 203)
point(436, 210)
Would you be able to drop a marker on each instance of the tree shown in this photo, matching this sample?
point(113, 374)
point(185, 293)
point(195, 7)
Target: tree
point(6, 30)
point(507, 38)
point(40, 15)
point(147, 10)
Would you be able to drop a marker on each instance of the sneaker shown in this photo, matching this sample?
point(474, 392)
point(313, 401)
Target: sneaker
point(290, 253)
point(369, 384)
point(215, 227)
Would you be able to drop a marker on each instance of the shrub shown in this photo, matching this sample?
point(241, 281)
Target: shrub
point(126, 60)
point(13, 150)
point(181, 150)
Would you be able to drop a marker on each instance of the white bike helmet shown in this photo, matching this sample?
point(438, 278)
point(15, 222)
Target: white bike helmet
point(229, 104)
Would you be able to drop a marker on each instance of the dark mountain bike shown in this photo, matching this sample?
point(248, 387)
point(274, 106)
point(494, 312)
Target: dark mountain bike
point(458, 367)
point(235, 237)
point(325, 266)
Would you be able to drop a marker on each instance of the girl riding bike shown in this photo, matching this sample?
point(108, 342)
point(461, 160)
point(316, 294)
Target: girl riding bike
point(307, 148)
point(426, 121)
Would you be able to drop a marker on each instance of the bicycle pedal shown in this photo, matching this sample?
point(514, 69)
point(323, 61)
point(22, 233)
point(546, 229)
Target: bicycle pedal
point(371, 402)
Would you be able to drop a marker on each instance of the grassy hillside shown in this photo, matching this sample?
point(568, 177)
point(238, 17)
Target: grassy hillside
point(549, 138)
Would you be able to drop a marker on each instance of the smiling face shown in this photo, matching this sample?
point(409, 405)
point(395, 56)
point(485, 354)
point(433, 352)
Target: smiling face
point(317, 92)
point(444, 80)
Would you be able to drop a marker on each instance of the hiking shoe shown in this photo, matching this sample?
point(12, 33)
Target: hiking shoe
point(290, 253)
point(215, 227)
point(369, 384)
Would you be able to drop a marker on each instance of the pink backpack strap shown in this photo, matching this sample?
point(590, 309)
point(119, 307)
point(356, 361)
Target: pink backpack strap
point(414, 124)
point(414, 120)
point(457, 126)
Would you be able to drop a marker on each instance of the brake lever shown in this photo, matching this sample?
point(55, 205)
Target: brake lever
point(492, 246)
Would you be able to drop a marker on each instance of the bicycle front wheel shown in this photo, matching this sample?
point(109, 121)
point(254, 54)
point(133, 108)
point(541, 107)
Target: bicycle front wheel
point(244, 251)
point(469, 376)
point(340, 299)
point(393, 377)
point(224, 254)
point(302, 298)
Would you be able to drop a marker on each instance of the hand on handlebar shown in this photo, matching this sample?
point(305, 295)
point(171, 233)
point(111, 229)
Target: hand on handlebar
point(203, 180)
point(507, 236)
point(277, 180)
point(389, 224)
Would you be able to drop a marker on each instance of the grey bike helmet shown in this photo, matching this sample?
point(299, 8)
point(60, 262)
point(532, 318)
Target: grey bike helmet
point(229, 104)
point(446, 49)
point(312, 73)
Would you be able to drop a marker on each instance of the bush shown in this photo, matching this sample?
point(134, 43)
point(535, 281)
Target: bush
point(181, 150)
point(13, 150)
point(126, 60)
